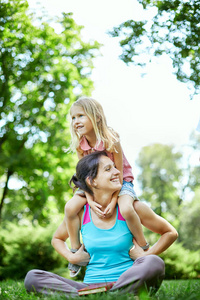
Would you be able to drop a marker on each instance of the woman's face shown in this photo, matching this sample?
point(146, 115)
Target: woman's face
point(108, 176)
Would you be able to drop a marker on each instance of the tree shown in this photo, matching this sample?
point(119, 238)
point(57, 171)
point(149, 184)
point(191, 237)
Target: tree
point(160, 178)
point(189, 230)
point(173, 30)
point(41, 73)
point(191, 170)
point(169, 182)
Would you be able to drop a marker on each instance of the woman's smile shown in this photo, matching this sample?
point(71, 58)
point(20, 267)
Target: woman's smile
point(115, 179)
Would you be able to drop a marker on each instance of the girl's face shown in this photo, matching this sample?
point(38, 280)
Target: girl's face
point(108, 176)
point(80, 121)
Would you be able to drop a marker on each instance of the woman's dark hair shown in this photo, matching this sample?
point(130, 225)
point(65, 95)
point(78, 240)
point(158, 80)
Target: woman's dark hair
point(87, 167)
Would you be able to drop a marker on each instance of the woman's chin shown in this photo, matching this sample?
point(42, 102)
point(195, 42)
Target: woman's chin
point(117, 187)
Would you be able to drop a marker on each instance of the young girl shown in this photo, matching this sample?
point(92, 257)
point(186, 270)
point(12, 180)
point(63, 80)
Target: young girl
point(90, 132)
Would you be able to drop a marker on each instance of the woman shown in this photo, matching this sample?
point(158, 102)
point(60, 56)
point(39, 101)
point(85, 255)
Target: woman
point(108, 241)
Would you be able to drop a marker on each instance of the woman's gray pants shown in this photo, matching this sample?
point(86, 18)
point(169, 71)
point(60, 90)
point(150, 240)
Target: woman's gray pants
point(147, 272)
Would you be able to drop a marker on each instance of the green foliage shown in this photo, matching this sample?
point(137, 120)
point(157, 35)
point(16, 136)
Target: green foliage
point(173, 30)
point(41, 73)
point(159, 177)
point(170, 185)
point(179, 290)
point(26, 248)
point(189, 231)
point(169, 290)
point(181, 263)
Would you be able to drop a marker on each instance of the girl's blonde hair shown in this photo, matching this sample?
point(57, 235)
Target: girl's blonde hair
point(95, 113)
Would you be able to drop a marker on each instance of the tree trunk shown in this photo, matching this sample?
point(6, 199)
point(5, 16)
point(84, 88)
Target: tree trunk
point(9, 173)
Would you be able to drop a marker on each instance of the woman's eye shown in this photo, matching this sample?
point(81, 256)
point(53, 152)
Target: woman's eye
point(107, 169)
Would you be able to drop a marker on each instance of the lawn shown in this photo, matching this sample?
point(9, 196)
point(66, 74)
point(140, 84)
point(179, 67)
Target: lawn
point(170, 290)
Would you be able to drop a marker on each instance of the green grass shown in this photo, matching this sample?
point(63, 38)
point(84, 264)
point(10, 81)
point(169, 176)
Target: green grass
point(170, 290)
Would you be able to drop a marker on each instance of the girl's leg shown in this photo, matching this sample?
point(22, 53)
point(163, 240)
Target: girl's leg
point(40, 281)
point(133, 221)
point(72, 208)
point(147, 272)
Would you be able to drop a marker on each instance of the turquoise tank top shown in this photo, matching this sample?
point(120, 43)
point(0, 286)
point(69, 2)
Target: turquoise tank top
point(108, 248)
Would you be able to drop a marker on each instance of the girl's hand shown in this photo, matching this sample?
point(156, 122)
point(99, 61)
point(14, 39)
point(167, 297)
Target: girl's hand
point(81, 257)
point(136, 251)
point(110, 209)
point(96, 207)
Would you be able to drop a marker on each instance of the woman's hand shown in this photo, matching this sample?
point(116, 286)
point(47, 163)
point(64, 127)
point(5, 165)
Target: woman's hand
point(136, 251)
point(81, 257)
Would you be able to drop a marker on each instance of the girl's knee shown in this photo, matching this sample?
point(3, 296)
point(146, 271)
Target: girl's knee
point(69, 209)
point(74, 205)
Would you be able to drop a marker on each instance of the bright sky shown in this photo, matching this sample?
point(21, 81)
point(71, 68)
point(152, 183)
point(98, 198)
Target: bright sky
point(152, 109)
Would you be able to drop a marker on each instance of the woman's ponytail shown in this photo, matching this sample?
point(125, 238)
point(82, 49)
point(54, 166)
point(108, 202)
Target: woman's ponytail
point(75, 181)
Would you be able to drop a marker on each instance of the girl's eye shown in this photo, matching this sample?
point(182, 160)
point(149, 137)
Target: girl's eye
point(108, 169)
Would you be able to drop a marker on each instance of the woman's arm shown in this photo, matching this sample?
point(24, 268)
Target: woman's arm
point(157, 224)
point(58, 242)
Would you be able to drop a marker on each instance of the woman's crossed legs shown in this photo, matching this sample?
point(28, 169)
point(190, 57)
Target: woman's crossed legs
point(147, 272)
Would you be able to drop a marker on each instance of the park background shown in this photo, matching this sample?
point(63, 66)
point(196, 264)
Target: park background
point(45, 67)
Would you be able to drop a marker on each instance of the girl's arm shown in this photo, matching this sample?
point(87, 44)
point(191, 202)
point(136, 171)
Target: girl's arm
point(58, 242)
point(157, 224)
point(118, 160)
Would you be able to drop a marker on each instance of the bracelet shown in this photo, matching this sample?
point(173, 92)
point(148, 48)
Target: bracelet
point(146, 247)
